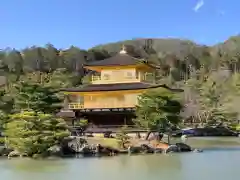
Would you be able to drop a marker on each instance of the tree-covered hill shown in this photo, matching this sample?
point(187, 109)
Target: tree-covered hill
point(170, 53)
point(175, 46)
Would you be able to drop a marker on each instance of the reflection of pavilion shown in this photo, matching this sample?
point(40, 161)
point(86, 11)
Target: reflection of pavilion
point(159, 165)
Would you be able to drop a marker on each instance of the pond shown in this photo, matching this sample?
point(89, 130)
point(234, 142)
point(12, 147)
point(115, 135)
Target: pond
point(219, 161)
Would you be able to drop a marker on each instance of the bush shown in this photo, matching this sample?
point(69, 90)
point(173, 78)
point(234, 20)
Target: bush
point(32, 133)
point(2, 140)
point(83, 122)
point(122, 136)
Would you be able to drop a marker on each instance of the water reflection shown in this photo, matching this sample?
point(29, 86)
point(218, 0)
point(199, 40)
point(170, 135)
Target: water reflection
point(208, 142)
point(220, 161)
point(35, 165)
point(27, 169)
point(229, 149)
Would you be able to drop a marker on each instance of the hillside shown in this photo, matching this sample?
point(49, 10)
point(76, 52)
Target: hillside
point(170, 45)
point(169, 53)
point(160, 46)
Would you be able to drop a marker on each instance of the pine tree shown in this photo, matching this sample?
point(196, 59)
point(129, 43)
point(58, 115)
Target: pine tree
point(158, 110)
point(37, 97)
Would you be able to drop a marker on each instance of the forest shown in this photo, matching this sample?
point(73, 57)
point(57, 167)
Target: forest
point(209, 75)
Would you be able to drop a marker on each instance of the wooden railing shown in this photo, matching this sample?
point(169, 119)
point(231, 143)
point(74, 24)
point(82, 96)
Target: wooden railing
point(100, 105)
point(75, 106)
point(119, 79)
point(99, 80)
point(96, 78)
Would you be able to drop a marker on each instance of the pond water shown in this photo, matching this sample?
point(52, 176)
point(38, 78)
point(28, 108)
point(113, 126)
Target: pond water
point(219, 161)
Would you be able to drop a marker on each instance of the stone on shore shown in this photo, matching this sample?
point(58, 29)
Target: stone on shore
point(5, 151)
point(16, 153)
point(73, 146)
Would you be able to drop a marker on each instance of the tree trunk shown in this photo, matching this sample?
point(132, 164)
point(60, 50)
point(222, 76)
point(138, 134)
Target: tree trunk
point(138, 135)
point(39, 77)
point(124, 145)
point(18, 77)
point(168, 138)
point(148, 134)
point(160, 136)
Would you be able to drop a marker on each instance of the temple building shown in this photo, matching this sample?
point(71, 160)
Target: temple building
point(111, 97)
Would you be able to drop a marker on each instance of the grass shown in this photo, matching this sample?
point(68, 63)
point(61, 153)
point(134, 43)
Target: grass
point(237, 127)
point(112, 142)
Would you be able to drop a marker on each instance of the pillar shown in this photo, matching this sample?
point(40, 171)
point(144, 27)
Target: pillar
point(73, 120)
point(125, 120)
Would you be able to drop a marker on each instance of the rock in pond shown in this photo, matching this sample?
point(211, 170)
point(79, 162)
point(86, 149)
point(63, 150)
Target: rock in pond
point(143, 148)
point(74, 144)
point(147, 149)
point(5, 151)
point(183, 147)
point(172, 148)
point(16, 153)
point(98, 150)
point(134, 149)
point(197, 150)
point(55, 151)
point(106, 150)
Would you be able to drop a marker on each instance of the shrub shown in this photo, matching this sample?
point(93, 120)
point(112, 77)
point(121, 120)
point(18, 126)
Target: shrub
point(34, 133)
point(122, 137)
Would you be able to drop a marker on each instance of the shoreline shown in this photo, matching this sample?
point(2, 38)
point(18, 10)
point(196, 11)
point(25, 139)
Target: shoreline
point(103, 147)
point(111, 147)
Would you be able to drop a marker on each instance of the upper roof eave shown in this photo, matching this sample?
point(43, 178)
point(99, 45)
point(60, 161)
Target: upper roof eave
point(118, 87)
point(117, 60)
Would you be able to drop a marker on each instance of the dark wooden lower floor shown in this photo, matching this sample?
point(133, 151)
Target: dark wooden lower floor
point(107, 118)
point(102, 120)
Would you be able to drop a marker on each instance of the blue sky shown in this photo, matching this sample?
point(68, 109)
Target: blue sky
point(86, 23)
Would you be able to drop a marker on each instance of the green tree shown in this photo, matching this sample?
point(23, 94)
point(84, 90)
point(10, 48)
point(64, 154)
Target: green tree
point(34, 133)
point(74, 58)
point(3, 119)
point(213, 98)
point(6, 107)
point(59, 78)
point(233, 95)
point(37, 97)
point(122, 137)
point(14, 61)
point(6, 102)
point(52, 56)
point(158, 110)
point(3, 66)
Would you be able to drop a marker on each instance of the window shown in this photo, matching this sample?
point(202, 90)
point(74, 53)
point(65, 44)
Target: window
point(117, 73)
point(106, 76)
point(129, 75)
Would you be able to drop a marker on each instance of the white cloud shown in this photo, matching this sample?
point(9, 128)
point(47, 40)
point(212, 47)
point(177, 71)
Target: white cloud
point(198, 5)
